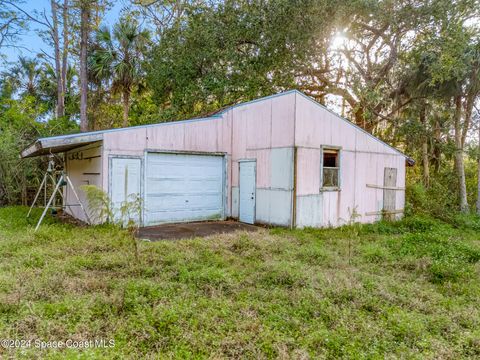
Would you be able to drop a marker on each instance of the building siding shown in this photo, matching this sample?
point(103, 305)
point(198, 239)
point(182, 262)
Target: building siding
point(83, 172)
point(283, 134)
point(248, 131)
point(362, 161)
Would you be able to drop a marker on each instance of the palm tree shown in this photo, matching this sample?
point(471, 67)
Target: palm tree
point(24, 77)
point(116, 58)
point(48, 88)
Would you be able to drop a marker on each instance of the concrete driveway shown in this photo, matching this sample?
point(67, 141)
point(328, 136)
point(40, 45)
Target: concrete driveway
point(191, 230)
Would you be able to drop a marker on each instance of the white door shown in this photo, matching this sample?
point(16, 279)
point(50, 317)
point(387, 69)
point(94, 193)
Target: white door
point(247, 191)
point(125, 187)
point(181, 187)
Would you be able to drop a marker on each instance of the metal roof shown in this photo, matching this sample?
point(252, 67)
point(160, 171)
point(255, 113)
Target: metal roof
point(62, 143)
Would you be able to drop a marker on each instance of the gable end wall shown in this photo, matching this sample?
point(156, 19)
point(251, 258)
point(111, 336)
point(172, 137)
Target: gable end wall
point(363, 159)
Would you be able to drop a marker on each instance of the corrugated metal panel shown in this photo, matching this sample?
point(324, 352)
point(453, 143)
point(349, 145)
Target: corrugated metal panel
point(309, 211)
point(330, 208)
point(167, 137)
point(281, 168)
point(283, 121)
point(134, 139)
point(183, 187)
point(240, 133)
point(274, 207)
point(235, 201)
point(308, 170)
point(202, 136)
point(306, 111)
point(263, 174)
point(259, 125)
point(347, 183)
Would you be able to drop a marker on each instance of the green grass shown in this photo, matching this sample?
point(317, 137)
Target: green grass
point(405, 290)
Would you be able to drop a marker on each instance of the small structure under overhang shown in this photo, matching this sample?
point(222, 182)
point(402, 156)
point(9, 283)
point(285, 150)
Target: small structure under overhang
point(82, 161)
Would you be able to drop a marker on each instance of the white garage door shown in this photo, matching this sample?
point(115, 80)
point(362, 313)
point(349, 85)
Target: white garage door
point(182, 187)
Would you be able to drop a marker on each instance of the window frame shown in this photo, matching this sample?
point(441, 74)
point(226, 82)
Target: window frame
point(338, 149)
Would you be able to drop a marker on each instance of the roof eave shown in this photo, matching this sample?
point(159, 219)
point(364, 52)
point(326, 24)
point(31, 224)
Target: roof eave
point(31, 150)
point(58, 145)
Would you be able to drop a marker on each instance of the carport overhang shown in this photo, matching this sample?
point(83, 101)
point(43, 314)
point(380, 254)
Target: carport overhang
point(60, 144)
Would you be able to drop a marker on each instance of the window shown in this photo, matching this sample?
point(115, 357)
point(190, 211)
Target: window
point(330, 168)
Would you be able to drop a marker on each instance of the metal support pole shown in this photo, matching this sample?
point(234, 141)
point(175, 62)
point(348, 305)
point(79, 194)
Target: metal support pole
point(38, 193)
point(54, 182)
point(49, 202)
point(78, 199)
point(45, 190)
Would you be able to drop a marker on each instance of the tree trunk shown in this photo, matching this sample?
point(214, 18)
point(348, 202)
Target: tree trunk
point(459, 165)
point(425, 161)
point(359, 117)
point(437, 151)
point(60, 108)
point(84, 28)
point(65, 34)
point(126, 107)
point(478, 170)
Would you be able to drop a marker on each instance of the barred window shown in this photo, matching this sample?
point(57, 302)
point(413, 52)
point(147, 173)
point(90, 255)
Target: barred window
point(331, 168)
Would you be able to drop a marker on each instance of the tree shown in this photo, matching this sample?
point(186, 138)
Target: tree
point(86, 17)
point(61, 50)
point(477, 115)
point(360, 61)
point(60, 111)
point(454, 76)
point(117, 59)
point(84, 31)
point(49, 30)
point(66, 40)
point(48, 27)
point(24, 77)
point(214, 56)
point(11, 25)
point(162, 14)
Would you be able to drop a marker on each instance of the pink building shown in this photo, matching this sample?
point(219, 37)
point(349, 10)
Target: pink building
point(281, 160)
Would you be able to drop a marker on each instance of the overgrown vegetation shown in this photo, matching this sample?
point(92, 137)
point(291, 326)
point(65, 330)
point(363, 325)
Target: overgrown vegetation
point(408, 289)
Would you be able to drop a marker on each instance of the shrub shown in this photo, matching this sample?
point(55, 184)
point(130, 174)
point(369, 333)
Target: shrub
point(406, 225)
point(100, 206)
point(451, 257)
point(466, 221)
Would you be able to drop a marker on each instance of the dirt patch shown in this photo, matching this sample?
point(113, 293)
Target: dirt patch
point(194, 229)
point(66, 218)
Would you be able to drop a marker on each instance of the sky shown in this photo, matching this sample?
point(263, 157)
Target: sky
point(30, 44)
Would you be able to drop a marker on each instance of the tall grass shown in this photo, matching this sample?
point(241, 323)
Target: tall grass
point(391, 290)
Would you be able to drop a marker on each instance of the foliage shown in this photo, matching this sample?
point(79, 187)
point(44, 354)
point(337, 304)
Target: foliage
point(18, 128)
point(116, 59)
point(267, 294)
point(130, 211)
point(99, 205)
point(440, 198)
point(196, 68)
point(102, 209)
